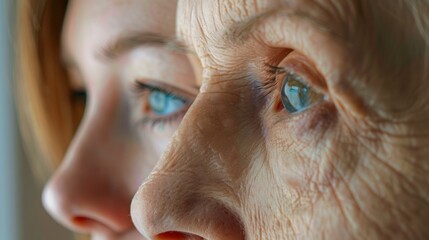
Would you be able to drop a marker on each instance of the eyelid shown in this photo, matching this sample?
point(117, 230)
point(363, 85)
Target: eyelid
point(162, 87)
point(296, 63)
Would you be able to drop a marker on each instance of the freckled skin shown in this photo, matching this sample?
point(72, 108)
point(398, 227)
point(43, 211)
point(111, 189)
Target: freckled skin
point(353, 167)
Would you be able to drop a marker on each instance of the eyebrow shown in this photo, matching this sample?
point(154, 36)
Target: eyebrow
point(125, 43)
point(132, 40)
point(242, 31)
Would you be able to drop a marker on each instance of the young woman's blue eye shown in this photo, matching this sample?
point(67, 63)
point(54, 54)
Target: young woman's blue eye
point(163, 103)
point(297, 96)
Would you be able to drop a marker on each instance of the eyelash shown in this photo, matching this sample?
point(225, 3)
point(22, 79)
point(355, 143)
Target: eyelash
point(140, 89)
point(270, 84)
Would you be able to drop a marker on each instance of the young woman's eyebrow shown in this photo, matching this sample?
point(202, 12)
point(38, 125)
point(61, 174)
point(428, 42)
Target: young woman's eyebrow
point(132, 40)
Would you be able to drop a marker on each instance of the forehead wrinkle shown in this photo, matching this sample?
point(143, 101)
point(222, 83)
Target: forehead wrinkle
point(209, 36)
point(191, 34)
point(240, 32)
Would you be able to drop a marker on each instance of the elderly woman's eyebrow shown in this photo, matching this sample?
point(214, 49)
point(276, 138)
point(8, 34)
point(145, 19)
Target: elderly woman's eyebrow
point(240, 32)
point(131, 40)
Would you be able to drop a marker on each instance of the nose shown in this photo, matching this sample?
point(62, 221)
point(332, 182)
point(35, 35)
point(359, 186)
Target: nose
point(192, 192)
point(78, 203)
point(174, 207)
point(91, 191)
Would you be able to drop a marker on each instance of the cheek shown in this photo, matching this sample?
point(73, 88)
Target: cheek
point(141, 164)
point(298, 148)
point(156, 139)
point(267, 201)
point(315, 126)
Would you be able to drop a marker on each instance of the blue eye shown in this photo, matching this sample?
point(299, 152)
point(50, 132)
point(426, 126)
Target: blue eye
point(164, 103)
point(297, 96)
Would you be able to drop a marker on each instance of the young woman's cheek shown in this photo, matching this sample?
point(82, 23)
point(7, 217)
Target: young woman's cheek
point(158, 136)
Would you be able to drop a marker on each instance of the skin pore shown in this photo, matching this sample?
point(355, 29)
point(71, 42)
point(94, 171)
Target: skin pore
point(311, 123)
point(120, 57)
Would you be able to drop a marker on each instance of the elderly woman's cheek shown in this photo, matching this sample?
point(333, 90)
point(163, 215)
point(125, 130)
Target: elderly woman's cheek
point(299, 147)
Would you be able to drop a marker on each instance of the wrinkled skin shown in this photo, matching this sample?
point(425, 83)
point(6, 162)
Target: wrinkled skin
point(354, 166)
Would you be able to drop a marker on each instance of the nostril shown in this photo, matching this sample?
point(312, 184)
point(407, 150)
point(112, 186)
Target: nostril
point(82, 222)
point(177, 236)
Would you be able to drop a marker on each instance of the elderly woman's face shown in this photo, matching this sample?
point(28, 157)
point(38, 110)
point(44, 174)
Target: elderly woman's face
point(311, 124)
point(138, 91)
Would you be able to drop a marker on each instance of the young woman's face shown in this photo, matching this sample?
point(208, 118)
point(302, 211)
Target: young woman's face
point(311, 124)
point(139, 84)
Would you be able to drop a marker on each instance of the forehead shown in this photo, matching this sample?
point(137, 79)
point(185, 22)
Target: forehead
point(205, 24)
point(207, 18)
point(92, 24)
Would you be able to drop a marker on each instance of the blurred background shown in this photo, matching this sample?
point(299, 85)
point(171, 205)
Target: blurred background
point(21, 214)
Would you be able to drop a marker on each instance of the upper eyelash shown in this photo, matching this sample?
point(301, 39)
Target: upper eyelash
point(139, 87)
point(270, 82)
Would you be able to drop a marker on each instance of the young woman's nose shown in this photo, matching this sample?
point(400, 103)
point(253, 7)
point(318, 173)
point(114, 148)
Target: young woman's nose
point(191, 192)
point(91, 190)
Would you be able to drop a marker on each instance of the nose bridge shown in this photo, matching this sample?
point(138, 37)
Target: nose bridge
point(87, 192)
point(205, 145)
point(104, 133)
point(100, 139)
point(95, 136)
point(192, 189)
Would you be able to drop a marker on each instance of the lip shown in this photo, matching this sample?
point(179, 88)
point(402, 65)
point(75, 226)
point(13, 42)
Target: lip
point(177, 236)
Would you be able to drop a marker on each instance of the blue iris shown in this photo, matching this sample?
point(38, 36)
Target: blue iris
point(297, 96)
point(164, 103)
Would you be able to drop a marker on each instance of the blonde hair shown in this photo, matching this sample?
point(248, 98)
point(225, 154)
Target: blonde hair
point(47, 115)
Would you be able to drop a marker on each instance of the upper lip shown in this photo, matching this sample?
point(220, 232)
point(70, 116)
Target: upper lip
point(177, 236)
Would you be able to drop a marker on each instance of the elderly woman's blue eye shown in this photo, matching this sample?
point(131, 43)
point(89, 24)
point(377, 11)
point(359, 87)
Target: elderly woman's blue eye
point(297, 96)
point(163, 103)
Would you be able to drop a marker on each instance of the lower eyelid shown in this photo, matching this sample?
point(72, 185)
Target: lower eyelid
point(154, 121)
